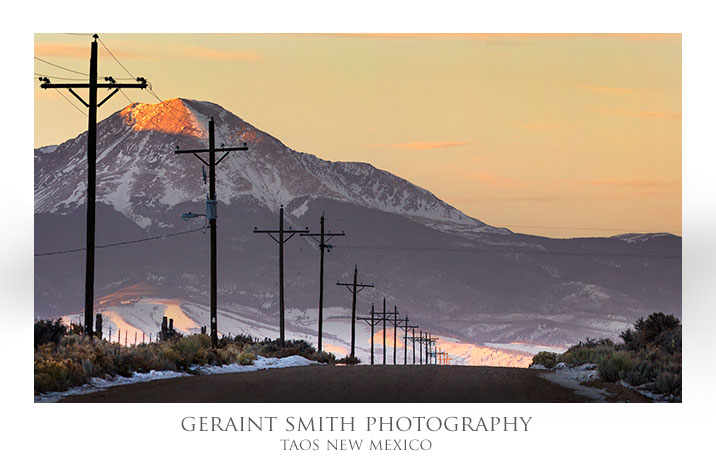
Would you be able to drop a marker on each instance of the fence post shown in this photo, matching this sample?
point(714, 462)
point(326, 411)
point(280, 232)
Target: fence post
point(98, 325)
point(165, 327)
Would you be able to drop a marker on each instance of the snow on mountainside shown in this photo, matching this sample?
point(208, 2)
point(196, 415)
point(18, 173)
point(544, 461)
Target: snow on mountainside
point(635, 238)
point(137, 168)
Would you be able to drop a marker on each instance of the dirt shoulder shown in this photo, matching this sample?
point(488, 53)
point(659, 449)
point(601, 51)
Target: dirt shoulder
point(348, 384)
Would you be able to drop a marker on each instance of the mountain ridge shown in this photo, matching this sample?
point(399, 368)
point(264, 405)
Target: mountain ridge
point(152, 124)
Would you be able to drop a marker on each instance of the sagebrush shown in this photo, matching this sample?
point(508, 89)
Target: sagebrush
point(649, 356)
point(64, 360)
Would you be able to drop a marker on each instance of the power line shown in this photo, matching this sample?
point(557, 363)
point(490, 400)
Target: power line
point(61, 67)
point(70, 102)
point(513, 251)
point(398, 221)
point(126, 242)
point(92, 86)
point(115, 58)
point(59, 77)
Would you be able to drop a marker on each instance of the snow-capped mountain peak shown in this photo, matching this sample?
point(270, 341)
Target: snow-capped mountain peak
point(137, 170)
point(170, 116)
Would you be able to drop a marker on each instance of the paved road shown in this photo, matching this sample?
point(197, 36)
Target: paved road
point(349, 384)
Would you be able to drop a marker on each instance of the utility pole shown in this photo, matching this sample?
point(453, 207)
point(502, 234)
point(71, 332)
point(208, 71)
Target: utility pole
point(406, 327)
point(421, 342)
point(372, 321)
point(429, 354)
point(211, 211)
point(384, 319)
point(395, 335)
point(354, 288)
point(92, 106)
point(323, 245)
point(281, 241)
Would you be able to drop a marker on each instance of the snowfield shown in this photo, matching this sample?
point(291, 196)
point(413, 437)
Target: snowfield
point(98, 384)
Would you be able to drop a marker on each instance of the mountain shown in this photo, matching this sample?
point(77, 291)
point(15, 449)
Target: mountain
point(450, 273)
point(137, 170)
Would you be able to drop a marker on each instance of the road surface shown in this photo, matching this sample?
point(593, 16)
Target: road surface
point(350, 384)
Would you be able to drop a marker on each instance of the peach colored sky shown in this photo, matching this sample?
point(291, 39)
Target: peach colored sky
point(558, 134)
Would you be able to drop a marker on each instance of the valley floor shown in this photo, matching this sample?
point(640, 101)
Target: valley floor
point(353, 384)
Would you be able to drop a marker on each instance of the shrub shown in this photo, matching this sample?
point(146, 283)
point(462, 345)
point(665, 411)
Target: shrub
point(246, 358)
point(592, 353)
point(669, 383)
point(54, 375)
point(71, 360)
point(642, 373)
point(669, 341)
point(191, 350)
point(629, 338)
point(614, 367)
point(344, 360)
point(647, 330)
point(47, 331)
point(545, 358)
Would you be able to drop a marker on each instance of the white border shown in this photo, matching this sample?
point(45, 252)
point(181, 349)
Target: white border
point(559, 433)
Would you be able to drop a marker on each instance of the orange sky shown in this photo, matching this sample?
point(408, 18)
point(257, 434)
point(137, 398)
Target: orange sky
point(554, 134)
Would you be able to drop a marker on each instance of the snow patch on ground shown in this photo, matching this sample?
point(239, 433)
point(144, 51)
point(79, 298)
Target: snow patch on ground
point(260, 364)
point(573, 377)
point(98, 384)
point(656, 397)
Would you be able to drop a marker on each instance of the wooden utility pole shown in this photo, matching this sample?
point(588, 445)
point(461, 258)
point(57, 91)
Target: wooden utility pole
point(211, 212)
point(406, 327)
point(92, 106)
point(395, 335)
point(384, 319)
point(281, 240)
point(429, 354)
point(421, 342)
point(354, 288)
point(323, 245)
point(372, 322)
